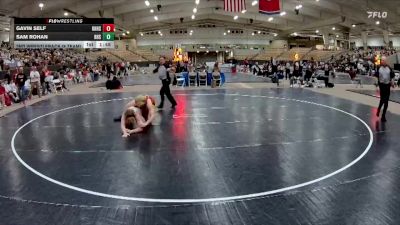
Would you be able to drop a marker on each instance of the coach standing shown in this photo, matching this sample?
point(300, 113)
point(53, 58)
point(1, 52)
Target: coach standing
point(165, 80)
point(385, 82)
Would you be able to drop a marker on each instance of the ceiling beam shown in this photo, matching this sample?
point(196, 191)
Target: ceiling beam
point(316, 24)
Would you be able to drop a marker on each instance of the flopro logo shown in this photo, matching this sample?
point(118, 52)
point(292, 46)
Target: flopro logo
point(380, 15)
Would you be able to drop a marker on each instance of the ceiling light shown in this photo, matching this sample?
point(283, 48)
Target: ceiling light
point(224, 33)
point(127, 32)
point(294, 34)
point(337, 35)
point(190, 34)
point(252, 34)
point(216, 51)
point(353, 25)
point(123, 34)
point(195, 10)
point(155, 17)
point(333, 28)
point(197, 2)
point(317, 31)
point(377, 22)
point(7, 29)
point(41, 5)
point(229, 31)
point(198, 51)
point(191, 31)
point(65, 13)
point(193, 17)
point(255, 2)
point(282, 13)
point(270, 19)
point(317, 0)
point(244, 11)
point(147, 3)
point(226, 51)
point(151, 10)
point(299, 7)
point(207, 51)
point(259, 32)
point(275, 34)
point(141, 34)
point(161, 34)
point(236, 17)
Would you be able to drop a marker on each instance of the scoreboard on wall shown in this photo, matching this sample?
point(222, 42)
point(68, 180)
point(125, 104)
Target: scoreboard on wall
point(64, 33)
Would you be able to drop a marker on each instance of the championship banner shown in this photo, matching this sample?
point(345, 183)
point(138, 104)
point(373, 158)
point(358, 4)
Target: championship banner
point(269, 7)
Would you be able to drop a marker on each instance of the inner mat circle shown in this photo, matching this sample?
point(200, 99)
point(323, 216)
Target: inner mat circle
point(212, 148)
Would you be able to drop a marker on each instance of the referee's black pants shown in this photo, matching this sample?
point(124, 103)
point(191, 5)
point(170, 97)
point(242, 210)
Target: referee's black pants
point(165, 90)
point(385, 95)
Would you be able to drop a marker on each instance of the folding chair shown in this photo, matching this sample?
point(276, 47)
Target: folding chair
point(397, 79)
point(68, 80)
point(203, 78)
point(192, 78)
point(180, 80)
point(57, 85)
point(217, 78)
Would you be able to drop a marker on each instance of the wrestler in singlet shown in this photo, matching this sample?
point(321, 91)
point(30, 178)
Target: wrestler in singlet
point(141, 103)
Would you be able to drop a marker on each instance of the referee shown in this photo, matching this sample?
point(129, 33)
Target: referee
point(165, 80)
point(385, 77)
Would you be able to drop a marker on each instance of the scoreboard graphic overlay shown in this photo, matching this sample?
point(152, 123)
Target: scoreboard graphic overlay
point(64, 33)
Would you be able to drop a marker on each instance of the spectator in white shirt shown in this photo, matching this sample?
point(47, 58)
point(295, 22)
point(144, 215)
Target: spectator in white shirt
point(11, 90)
point(28, 88)
point(35, 80)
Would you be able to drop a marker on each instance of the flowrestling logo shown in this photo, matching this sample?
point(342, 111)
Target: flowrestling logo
point(380, 15)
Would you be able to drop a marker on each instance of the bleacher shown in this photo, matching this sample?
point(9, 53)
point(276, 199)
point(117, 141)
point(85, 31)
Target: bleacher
point(244, 56)
point(290, 55)
point(94, 55)
point(127, 56)
point(146, 54)
point(268, 53)
point(320, 55)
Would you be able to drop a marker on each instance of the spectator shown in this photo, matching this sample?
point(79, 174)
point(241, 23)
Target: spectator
point(12, 92)
point(2, 95)
point(216, 68)
point(20, 81)
point(352, 74)
point(113, 84)
point(35, 81)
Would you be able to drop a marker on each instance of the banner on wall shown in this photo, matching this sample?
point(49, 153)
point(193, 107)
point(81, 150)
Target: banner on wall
point(234, 5)
point(269, 7)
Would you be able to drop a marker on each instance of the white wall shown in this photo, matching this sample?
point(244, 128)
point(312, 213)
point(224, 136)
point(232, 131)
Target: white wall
point(245, 52)
point(279, 44)
point(4, 36)
point(211, 36)
point(396, 41)
point(376, 41)
point(122, 44)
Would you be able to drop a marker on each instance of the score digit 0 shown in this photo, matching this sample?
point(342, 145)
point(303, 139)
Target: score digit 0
point(108, 27)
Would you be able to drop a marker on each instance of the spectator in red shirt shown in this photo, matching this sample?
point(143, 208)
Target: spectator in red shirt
point(2, 95)
point(352, 74)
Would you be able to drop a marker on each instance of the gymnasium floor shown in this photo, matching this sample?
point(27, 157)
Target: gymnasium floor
point(394, 95)
point(224, 156)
